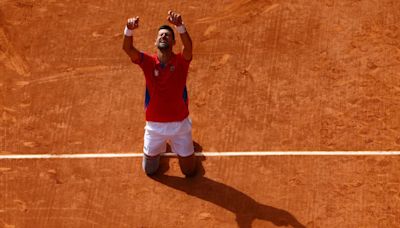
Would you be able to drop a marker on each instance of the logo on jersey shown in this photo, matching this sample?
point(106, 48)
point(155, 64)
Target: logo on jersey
point(156, 72)
point(172, 68)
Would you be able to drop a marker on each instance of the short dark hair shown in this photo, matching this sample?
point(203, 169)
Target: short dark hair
point(167, 27)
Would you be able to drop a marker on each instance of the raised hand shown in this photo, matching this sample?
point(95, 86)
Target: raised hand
point(174, 18)
point(133, 23)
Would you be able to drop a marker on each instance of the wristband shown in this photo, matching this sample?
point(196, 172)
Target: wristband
point(128, 32)
point(181, 29)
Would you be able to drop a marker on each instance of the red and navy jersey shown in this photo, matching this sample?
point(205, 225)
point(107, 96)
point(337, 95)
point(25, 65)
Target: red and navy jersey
point(166, 97)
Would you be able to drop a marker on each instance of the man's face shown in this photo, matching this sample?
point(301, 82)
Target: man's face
point(164, 40)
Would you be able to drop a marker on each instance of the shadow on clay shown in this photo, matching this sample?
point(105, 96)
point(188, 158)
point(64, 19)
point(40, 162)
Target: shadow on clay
point(243, 206)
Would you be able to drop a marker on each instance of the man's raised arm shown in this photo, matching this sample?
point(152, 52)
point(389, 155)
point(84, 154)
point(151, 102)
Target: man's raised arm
point(176, 19)
point(128, 47)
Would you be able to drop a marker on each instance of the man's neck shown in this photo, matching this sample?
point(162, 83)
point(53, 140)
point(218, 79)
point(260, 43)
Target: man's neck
point(164, 56)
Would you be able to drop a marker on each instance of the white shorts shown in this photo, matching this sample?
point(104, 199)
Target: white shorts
point(178, 134)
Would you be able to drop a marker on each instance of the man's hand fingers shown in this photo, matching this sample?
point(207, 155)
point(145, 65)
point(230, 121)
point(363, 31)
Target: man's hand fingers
point(171, 19)
point(136, 21)
point(175, 15)
point(174, 18)
point(133, 22)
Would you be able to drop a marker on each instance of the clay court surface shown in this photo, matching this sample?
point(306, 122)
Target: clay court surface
point(265, 76)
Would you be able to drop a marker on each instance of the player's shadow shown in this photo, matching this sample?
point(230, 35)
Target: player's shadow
point(243, 206)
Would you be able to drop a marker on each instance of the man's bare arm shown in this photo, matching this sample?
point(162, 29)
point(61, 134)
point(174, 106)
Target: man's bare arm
point(187, 45)
point(130, 50)
point(176, 19)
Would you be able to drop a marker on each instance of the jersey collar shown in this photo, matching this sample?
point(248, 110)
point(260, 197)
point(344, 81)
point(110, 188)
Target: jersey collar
point(168, 63)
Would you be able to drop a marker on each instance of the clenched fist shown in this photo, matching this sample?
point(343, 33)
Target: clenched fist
point(174, 18)
point(133, 23)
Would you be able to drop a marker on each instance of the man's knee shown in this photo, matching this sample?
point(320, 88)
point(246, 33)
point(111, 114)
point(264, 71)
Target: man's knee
point(188, 165)
point(150, 164)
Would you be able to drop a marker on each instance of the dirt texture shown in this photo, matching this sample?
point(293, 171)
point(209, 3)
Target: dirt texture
point(266, 75)
point(241, 192)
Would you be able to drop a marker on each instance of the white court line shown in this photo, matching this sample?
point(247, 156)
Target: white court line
point(207, 154)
